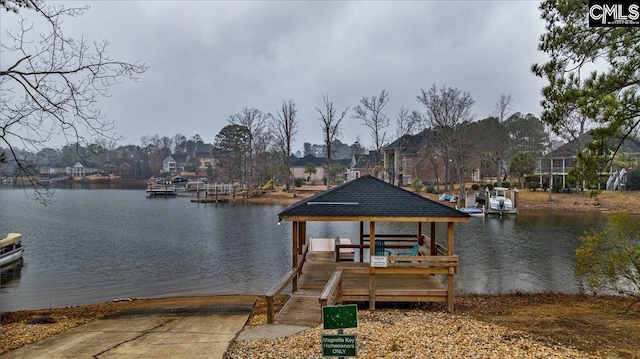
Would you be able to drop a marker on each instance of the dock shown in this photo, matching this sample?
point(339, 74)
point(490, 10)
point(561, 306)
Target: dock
point(224, 193)
point(161, 190)
point(392, 274)
point(321, 281)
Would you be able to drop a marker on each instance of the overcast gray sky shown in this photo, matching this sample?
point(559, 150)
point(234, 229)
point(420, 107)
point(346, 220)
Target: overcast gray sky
point(209, 59)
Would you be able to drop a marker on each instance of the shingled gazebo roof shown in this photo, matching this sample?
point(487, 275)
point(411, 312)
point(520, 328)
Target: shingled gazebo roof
point(370, 199)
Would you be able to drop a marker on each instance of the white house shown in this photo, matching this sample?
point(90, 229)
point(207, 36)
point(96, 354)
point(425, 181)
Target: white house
point(174, 163)
point(79, 170)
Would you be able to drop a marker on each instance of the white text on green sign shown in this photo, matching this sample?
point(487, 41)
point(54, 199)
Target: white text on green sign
point(341, 345)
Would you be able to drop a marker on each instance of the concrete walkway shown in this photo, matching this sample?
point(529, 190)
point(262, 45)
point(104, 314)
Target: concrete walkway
point(202, 327)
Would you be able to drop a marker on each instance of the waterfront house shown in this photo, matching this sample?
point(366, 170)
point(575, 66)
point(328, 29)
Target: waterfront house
point(80, 170)
point(119, 166)
point(555, 166)
point(298, 166)
point(413, 156)
point(361, 165)
point(174, 163)
point(52, 170)
point(204, 154)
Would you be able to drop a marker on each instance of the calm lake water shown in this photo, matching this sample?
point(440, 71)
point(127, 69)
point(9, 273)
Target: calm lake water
point(93, 245)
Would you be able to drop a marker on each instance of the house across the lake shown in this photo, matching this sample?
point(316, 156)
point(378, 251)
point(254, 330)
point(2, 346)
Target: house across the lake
point(553, 169)
point(174, 163)
point(299, 165)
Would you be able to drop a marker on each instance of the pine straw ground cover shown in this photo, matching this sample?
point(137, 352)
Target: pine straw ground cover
point(514, 325)
point(484, 326)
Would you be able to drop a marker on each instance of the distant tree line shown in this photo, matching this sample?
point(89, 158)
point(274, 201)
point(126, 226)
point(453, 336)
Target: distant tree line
point(256, 146)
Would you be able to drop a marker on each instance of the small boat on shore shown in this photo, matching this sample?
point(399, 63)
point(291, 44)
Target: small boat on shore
point(11, 249)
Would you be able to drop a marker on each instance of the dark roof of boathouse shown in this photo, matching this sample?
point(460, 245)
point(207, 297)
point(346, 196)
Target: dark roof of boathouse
point(370, 199)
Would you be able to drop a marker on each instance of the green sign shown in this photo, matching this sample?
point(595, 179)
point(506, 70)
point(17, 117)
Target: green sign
point(340, 316)
point(340, 345)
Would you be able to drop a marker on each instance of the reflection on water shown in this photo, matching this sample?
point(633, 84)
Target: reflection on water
point(531, 252)
point(11, 272)
point(97, 245)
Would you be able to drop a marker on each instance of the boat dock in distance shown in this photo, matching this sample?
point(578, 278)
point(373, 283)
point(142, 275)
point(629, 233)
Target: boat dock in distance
point(163, 190)
point(224, 192)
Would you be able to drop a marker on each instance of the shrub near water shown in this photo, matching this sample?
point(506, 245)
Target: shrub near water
point(417, 185)
point(609, 260)
point(269, 185)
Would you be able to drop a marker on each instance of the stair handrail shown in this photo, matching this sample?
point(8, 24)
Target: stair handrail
point(332, 289)
point(290, 276)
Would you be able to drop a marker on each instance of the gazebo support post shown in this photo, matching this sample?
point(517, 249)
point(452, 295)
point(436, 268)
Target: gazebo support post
point(300, 237)
point(361, 241)
point(434, 250)
point(420, 240)
point(372, 273)
point(303, 235)
point(294, 252)
point(451, 269)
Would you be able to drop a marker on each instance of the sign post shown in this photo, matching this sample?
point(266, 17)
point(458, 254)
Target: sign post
point(339, 317)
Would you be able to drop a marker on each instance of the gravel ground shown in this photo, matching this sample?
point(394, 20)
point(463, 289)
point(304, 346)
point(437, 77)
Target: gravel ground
point(393, 333)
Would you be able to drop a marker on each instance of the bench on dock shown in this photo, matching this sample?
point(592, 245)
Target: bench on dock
point(343, 252)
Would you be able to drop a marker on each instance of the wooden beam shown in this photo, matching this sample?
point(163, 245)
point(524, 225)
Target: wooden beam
point(315, 218)
point(434, 249)
point(420, 241)
point(300, 237)
point(372, 271)
point(331, 289)
point(450, 293)
point(450, 275)
point(294, 252)
point(361, 241)
point(378, 235)
point(450, 238)
point(275, 290)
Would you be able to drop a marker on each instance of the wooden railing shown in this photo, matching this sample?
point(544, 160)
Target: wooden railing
point(441, 250)
point(290, 277)
point(448, 265)
point(401, 238)
point(332, 292)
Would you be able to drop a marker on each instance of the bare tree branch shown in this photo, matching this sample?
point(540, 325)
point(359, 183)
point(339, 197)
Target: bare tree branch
point(255, 121)
point(448, 109)
point(53, 86)
point(331, 130)
point(285, 127)
point(369, 111)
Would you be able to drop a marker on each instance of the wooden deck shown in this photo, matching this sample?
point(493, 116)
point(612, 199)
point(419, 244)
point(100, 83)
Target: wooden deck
point(161, 190)
point(303, 308)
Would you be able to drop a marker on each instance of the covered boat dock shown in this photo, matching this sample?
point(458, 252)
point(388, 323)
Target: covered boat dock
point(320, 278)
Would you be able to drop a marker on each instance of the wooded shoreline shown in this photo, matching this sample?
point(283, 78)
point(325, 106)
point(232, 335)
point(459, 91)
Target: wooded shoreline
point(605, 201)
